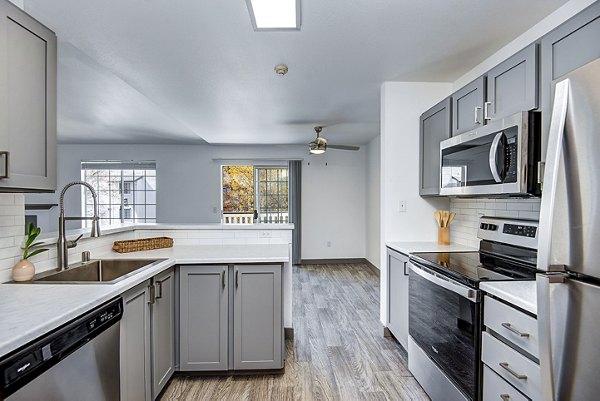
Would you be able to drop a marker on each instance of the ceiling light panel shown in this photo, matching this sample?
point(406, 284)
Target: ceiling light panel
point(274, 14)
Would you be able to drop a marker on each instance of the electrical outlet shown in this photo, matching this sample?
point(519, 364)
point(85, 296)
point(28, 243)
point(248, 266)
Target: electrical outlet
point(328, 244)
point(265, 234)
point(215, 210)
point(402, 206)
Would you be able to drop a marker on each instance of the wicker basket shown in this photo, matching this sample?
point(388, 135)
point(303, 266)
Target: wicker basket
point(144, 244)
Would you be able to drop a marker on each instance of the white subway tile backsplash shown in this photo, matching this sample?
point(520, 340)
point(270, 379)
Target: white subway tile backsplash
point(468, 211)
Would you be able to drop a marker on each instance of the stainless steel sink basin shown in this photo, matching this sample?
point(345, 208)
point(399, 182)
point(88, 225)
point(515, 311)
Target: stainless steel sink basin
point(101, 271)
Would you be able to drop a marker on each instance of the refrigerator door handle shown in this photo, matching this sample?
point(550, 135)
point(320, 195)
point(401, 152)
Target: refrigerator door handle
point(554, 153)
point(545, 286)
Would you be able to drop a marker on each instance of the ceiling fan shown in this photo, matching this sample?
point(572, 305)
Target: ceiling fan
point(320, 145)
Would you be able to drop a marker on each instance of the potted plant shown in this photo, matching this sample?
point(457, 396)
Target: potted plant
point(24, 270)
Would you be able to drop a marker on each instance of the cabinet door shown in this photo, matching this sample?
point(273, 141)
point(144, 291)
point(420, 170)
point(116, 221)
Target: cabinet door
point(258, 317)
point(135, 344)
point(163, 331)
point(512, 85)
point(568, 47)
point(398, 296)
point(203, 319)
point(467, 107)
point(435, 127)
point(28, 102)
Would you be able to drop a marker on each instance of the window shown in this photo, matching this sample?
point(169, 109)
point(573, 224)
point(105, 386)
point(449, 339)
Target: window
point(255, 194)
point(126, 191)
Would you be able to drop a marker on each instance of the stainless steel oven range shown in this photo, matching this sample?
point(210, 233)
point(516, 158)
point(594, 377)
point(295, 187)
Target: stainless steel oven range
point(444, 345)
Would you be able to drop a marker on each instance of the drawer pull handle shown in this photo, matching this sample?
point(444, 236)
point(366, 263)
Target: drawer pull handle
point(505, 397)
point(506, 367)
point(509, 327)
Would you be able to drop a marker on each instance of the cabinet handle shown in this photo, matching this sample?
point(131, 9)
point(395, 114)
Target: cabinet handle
point(509, 327)
point(405, 272)
point(506, 367)
point(486, 111)
point(158, 289)
point(477, 109)
point(6, 154)
point(237, 278)
point(223, 278)
point(505, 397)
point(152, 295)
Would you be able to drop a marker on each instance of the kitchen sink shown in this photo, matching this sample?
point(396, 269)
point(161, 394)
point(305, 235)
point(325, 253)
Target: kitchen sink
point(101, 271)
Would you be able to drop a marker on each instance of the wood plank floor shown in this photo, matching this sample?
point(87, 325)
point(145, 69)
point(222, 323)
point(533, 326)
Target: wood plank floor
point(339, 352)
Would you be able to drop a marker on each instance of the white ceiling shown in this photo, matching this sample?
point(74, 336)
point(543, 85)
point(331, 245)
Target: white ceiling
point(158, 71)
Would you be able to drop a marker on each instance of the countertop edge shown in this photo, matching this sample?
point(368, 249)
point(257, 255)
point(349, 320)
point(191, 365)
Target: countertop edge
point(502, 290)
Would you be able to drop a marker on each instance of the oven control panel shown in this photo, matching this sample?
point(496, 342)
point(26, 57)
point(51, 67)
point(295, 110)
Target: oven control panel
point(509, 231)
point(520, 229)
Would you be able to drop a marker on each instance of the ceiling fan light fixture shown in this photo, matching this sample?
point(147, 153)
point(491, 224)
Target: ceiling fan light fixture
point(274, 14)
point(317, 148)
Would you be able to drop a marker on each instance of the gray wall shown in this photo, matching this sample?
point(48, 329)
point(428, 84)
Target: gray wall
point(188, 181)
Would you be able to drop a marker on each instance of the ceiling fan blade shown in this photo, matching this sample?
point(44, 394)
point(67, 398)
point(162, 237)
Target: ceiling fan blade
point(343, 147)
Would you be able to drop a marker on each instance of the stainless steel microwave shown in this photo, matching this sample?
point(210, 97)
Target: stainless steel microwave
point(498, 159)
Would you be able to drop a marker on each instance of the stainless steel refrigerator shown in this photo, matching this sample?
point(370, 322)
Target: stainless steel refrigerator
point(568, 291)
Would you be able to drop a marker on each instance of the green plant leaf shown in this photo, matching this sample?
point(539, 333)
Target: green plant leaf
point(36, 252)
point(36, 244)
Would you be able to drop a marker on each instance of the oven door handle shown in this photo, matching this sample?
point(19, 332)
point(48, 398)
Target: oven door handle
point(445, 282)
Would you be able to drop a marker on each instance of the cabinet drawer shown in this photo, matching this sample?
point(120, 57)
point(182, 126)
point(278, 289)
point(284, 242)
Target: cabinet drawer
point(513, 325)
point(496, 388)
point(512, 366)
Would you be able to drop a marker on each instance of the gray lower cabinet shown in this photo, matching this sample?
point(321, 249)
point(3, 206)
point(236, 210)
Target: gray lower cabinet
point(135, 344)
point(512, 86)
point(147, 355)
point(568, 47)
point(467, 106)
point(435, 126)
point(258, 317)
point(397, 296)
point(204, 318)
point(163, 330)
point(27, 102)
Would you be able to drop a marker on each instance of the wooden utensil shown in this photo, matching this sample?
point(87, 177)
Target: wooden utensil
point(438, 217)
point(445, 218)
point(452, 215)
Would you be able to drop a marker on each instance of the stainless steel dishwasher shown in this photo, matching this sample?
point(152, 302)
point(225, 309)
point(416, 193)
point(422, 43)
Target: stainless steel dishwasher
point(79, 361)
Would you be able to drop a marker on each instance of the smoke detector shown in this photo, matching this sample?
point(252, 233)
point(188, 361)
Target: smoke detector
point(281, 69)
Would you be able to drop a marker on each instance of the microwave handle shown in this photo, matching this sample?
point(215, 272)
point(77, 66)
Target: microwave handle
point(492, 156)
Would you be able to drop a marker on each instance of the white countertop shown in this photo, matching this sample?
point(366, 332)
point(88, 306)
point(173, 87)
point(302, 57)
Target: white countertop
point(30, 310)
point(52, 237)
point(519, 293)
point(408, 247)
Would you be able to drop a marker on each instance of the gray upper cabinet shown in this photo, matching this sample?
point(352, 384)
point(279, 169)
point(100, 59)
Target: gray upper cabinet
point(135, 344)
point(27, 103)
point(163, 330)
point(512, 86)
point(435, 126)
point(397, 295)
point(467, 107)
point(258, 317)
point(568, 47)
point(204, 317)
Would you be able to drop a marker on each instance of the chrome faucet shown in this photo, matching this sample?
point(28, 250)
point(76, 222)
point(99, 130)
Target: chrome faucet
point(63, 244)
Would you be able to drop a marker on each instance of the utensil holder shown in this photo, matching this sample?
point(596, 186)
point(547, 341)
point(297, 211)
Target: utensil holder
point(444, 235)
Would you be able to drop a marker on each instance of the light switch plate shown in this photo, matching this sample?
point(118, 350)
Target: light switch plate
point(402, 206)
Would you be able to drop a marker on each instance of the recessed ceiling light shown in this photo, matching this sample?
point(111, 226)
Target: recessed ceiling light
point(274, 14)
